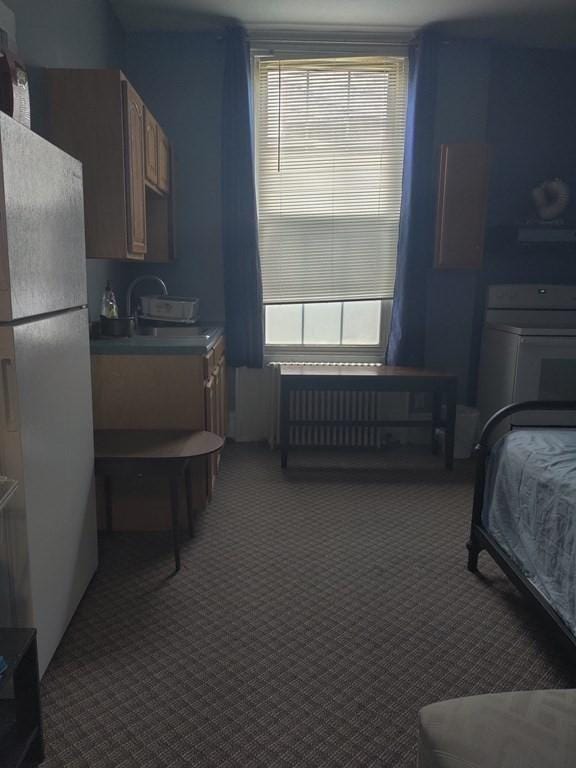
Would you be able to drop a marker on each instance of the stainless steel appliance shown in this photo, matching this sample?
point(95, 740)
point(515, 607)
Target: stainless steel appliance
point(14, 90)
point(48, 552)
point(528, 347)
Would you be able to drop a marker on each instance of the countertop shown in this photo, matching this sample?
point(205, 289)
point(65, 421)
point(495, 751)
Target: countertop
point(158, 345)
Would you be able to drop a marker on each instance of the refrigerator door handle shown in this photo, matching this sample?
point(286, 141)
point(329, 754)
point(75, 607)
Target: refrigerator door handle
point(8, 375)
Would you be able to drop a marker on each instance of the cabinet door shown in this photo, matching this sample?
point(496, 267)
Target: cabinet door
point(209, 404)
point(217, 416)
point(134, 159)
point(86, 120)
point(461, 212)
point(222, 399)
point(163, 161)
point(151, 147)
point(148, 392)
point(221, 405)
point(211, 426)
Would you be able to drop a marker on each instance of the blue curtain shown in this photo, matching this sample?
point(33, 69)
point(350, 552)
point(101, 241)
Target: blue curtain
point(242, 278)
point(406, 345)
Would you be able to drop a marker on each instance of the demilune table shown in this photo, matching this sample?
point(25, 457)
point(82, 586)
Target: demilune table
point(383, 378)
point(168, 453)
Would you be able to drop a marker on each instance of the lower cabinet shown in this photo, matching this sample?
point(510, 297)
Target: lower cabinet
point(216, 414)
point(159, 392)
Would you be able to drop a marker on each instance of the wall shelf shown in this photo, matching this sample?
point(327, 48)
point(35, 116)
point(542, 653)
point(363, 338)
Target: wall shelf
point(536, 238)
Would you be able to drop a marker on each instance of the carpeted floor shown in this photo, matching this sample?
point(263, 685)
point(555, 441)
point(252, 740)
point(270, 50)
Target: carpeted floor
point(315, 613)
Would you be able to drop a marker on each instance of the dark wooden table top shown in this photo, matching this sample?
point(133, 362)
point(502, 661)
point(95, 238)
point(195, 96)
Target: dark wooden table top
point(154, 444)
point(369, 371)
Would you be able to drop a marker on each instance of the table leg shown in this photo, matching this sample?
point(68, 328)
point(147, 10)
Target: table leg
point(436, 418)
point(451, 396)
point(108, 502)
point(187, 483)
point(284, 423)
point(174, 496)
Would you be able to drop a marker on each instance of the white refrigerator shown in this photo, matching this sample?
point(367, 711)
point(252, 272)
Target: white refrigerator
point(48, 544)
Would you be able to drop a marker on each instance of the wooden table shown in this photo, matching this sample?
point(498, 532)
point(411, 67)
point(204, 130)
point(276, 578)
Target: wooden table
point(121, 453)
point(383, 378)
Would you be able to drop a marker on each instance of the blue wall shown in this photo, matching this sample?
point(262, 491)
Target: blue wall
point(179, 76)
point(72, 33)
point(68, 33)
point(461, 115)
point(521, 101)
point(517, 99)
point(532, 128)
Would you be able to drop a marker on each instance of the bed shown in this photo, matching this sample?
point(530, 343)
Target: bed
point(524, 511)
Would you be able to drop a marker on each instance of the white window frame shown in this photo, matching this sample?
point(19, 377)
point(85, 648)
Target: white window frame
point(325, 353)
point(337, 353)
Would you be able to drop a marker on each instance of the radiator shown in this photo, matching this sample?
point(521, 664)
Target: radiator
point(339, 406)
point(257, 412)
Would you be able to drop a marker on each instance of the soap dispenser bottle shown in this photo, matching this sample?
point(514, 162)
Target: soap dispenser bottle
point(109, 308)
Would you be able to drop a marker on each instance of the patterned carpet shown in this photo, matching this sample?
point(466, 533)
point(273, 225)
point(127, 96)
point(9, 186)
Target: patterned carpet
point(315, 613)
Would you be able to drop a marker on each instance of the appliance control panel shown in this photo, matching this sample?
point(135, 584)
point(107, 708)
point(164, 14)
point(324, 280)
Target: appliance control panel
point(535, 296)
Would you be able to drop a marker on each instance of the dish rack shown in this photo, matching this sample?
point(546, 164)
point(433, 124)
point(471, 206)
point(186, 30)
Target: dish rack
point(173, 309)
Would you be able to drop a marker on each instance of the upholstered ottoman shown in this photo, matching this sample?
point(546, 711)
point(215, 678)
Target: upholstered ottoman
point(528, 729)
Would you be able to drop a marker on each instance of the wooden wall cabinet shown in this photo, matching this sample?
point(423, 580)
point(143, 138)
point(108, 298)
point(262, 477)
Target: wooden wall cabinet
point(164, 162)
point(133, 111)
point(97, 116)
point(158, 170)
point(461, 206)
point(160, 392)
point(151, 147)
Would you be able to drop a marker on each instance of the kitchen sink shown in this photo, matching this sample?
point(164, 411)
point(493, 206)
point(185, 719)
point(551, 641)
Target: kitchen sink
point(201, 336)
point(172, 332)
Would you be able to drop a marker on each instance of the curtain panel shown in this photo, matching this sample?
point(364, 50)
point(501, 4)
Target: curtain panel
point(406, 344)
point(242, 277)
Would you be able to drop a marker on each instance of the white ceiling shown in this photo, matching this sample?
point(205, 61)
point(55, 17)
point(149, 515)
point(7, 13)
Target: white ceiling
point(341, 12)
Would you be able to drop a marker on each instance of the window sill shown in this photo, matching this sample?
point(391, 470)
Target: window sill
point(312, 354)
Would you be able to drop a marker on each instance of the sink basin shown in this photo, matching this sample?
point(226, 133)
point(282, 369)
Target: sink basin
point(161, 341)
point(200, 336)
point(173, 332)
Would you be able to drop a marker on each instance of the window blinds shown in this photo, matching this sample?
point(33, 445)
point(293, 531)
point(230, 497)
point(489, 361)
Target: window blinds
point(330, 147)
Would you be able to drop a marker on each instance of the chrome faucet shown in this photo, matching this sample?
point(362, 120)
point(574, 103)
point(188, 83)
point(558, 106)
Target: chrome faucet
point(136, 282)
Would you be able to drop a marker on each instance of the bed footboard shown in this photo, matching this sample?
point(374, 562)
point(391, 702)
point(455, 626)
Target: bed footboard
point(480, 538)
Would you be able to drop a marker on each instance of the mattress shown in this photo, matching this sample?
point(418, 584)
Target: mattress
point(530, 509)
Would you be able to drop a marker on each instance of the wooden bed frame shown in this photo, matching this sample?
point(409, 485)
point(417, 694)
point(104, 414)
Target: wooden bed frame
point(482, 539)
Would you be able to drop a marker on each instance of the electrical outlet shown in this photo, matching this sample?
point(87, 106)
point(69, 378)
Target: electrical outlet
point(420, 402)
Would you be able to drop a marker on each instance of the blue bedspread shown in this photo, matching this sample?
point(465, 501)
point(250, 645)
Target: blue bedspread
point(530, 509)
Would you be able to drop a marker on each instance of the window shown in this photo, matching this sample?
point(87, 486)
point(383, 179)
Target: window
point(329, 150)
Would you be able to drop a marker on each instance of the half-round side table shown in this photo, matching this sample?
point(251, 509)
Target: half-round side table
point(127, 452)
